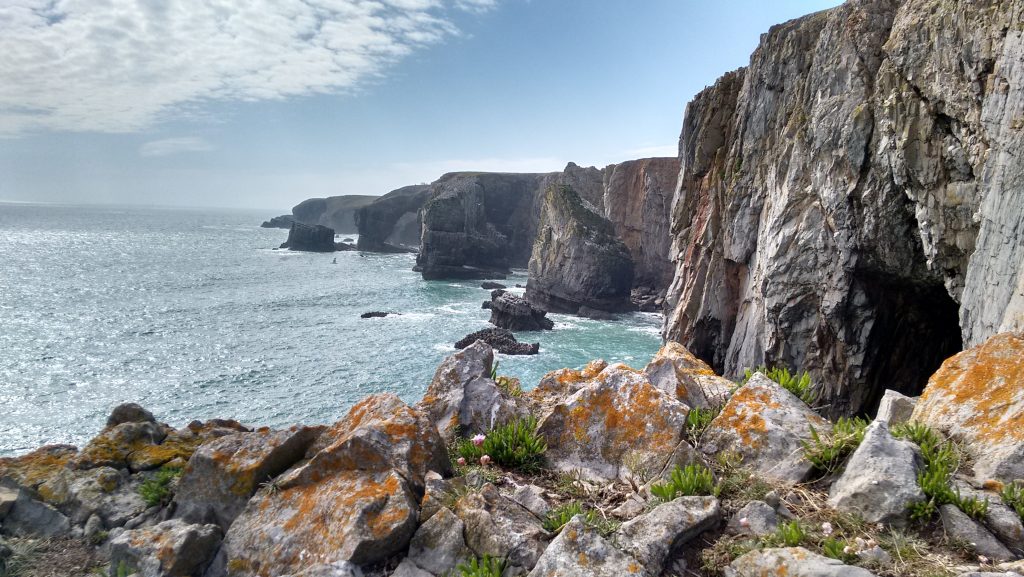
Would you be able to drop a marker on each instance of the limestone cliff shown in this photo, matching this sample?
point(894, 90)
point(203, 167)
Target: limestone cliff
point(577, 260)
point(391, 223)
point(849, 202)
point(337, 212)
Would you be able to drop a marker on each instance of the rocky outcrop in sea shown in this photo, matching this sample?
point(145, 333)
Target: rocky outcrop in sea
point(848, 202)
point(515, 313)
point(311, 238)
point(597, 471)
point(283, 221)
point(391, 223)
point(502, 340)
point(337, 212)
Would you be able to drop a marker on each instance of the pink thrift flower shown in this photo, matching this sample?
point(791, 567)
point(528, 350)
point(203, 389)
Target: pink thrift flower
point(461, 461)
point(485, 460)
point(479, 440)
point(744, 522)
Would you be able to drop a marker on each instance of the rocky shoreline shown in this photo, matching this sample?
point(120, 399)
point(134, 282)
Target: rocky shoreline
point(606, 470)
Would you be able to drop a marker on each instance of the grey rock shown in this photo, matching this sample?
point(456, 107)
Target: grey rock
point(990, 574)
point(767, 426)
point(793, 562)
point(92, 526)
point(1000, 519)
point(8, 497)
point(170, 549)
point(129, 413)
point(961, 527)
point(650, 538)
point(514, 313)
point(577, 261)
point(500, 527)
point(760, 517)
point(283, 221)
point(391, 223)
point(581, 551)
point(438, 545)
point(110, 493)
point(532, 498)
point(339, 569)
point(31, 518)
point(334, 212)
point(880, 479)
point(310, 238)
point(409, 569)
point(633, 505)
point(501, 340)
point(677, 371)
point(895, 408)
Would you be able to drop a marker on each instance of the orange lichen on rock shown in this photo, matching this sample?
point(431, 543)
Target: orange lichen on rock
point(33, 469)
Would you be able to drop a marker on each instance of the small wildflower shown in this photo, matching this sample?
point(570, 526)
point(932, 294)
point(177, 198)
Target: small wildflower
point(744, 522)
point(461, 461)
point(982, 559)
point(826, 528)
point(485, 460)
point(848, 550)
point(479, 440)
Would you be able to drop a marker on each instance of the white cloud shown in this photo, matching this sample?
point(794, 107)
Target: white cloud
point(652, 151)
point(123, 65)
point(169, 146)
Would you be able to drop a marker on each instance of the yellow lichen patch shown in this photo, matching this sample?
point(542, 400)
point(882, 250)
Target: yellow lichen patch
point(35, 468)
point(979, 392)
point(741, 415)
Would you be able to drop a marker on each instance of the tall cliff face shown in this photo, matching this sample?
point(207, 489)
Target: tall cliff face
point(637, 200)
point(391, 223)
point(846, 195)
point(337, 212)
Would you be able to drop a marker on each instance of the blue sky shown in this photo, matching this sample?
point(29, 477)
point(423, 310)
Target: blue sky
point(263, 103)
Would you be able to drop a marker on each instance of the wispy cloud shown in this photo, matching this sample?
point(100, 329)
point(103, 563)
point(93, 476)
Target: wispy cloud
point(652, 151)
point(123, 65)
point(169, 146)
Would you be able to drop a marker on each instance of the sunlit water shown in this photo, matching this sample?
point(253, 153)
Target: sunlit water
point(191, 314)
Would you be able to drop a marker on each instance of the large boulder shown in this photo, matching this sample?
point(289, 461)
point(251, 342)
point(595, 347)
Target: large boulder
point(355, 499)
point(960, 527)
point(577, 261)
point(35, 468)
point(514, 313)
point(498, 526)
point(110, 494)
point(310, 238)
point(677, 371)
point(616, 424)
point(223, 474)
point(581, 551)
point(651, 537)
point(439, 546)
point(880, 479)
point(501, 339)
point(766, 426)
point(32, 518)
point(170, 549)
point(792, 562)
point(391, 223)
point(977, 396)
point(462, 399)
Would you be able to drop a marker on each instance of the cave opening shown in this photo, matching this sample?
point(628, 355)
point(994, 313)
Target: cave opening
point(916, 327)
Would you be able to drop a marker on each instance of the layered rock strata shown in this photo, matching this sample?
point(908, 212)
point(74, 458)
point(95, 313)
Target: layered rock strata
point(391, 223)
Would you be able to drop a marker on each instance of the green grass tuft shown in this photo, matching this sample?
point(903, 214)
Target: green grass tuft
point(515, 445)
point(828, 452)
point(157, 489)
point(485, 566)
point(1013, 496)
point(799, 385)
point(697, 421)
point(694, 479)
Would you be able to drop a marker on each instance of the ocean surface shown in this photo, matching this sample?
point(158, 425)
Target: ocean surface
point(193, 315)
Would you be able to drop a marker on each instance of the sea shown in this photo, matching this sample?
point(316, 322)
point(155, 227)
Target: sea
point(193, 314)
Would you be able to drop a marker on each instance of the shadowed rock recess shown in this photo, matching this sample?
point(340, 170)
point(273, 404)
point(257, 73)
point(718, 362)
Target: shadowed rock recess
point(849, 202)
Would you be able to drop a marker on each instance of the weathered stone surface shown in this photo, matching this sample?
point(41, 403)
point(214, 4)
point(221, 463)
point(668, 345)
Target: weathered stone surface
point(33, 469)
point(352, 501)
point(577, 261)
point(463, 399)
point(845, 201)
point(129, 413)
point(391, 223)
point(335, 212)
point(338, 569)
point(531, 497)
point(880, 479)
point(500, 339)
point(114, 445)
point(977, 396)
point(310, 238)
point(650, 537)
point(499, 527)
point(29, 517)
point(170, 549)
point(581, 551)
point(560, 384)
point(616, 421)
point(677, 371)
point(756, 518)
point(283, 221)
point(766, 425)
point(179, 444)
point(959, 526)
point(895, 408)
point(792, 562)
point(638, 202)
point(438, 545)
point(109, 493)
point(8, 497)
point(1000, 519)
point(223, 474)
point(514, 313)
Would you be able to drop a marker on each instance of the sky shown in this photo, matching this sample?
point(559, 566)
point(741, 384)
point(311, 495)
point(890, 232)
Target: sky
point(264, 103)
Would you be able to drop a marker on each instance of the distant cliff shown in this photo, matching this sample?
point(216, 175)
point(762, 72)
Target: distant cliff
point(850, 202)
point(337, 212)
point(391, 223)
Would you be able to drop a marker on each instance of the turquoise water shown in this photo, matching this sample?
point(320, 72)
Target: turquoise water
point(191, 314)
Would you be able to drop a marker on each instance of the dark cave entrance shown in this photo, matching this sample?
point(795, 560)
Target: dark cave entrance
point(916, 327)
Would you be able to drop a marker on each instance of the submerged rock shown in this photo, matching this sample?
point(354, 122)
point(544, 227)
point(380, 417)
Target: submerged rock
point(517, 314)
point(492, 285)
point(501, 340)
point(377, 314)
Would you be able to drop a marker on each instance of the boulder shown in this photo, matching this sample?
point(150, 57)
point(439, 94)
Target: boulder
point(615, 424)
point(31, 518)
point(767, 426)
point(375, 315)
point(977, 396)
point(756, 518)
point(961, 527)
point(792, 562)
point(577, 261)
point(500, 527)
point(677, 371)
point(438, 545)
point(353, 501)
point(129, 413)
point(531, 497)
point(895, 408)
point(108, 493)
point(488, 285)
point(517, 314)
point(500, 339)
point(1001, 520)
point(581, 552)
point(462, 399)
point(310, 238)
point(114, 445)
point(223, 474)
point(880, 479)
point(560, 384)
point(179, 444)
point(651, 537)
point(33, 469)
point(170, 549)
